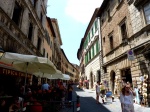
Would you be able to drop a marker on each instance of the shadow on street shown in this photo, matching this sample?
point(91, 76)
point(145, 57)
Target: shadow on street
point(87, 104)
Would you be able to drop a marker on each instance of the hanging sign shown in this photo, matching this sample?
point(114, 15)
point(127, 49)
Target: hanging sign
point(130, 55)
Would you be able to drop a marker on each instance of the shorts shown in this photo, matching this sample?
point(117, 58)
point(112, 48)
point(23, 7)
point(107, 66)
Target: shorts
point(102, 92)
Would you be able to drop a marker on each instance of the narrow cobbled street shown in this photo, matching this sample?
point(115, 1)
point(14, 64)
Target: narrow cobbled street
point(88, 103)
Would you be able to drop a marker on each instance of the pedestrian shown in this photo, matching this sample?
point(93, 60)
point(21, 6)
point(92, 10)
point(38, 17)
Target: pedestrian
point(102, 91)
point(70, 89)
point(137, 99)
point(45, 86)
point(126, 98)
point(140, 96)
point(97, 91)
point(62, 93)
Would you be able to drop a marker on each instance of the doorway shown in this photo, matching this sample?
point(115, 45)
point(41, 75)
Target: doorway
point(112, 80)
point(98, 78)
point(126, 75)
point(91, 77)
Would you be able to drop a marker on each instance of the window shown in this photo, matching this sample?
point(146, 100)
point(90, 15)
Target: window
point(104, 39)
point(39, 44)
point(92, 32)
point(147, 13)
point(105, 69)
point(93, 51)
point(34, 3)
point(119, 1)
point(89, 54)
point(95, 25)
point(86, 42)
point(102, 21)
point(97, 46)
point(108, 13)
point(111, 42)
point(47, 55)
point(89, 37)
point(17, 13)
point(44, 52)
point(41, 17)
point(102, 18)
point(123, 31)
point(30, 31)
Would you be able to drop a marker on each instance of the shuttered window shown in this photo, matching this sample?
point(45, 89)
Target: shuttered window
point(92, 51)
point(97, 47)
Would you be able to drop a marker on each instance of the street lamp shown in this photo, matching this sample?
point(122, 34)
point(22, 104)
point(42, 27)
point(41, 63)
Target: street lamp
point(1, 52)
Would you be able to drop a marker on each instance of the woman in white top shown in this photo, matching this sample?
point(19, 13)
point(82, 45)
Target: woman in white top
point(97, 91)
point(126, 98)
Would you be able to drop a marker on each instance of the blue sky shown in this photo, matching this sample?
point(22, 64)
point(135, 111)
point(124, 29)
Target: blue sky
point(73, 17)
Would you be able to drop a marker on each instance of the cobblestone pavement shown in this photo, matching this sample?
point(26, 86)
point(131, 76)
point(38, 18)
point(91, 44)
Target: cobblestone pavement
point(114, 106)
point(88, 103)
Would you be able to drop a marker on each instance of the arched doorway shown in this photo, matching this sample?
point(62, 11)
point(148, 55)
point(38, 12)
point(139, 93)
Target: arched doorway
point(112, 80)
point(91, 77)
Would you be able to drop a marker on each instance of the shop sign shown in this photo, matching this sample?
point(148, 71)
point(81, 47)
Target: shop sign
point(130, 55)
point(6, 71)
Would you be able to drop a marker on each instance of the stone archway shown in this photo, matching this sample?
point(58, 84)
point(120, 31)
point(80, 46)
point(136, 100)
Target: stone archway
point(112, 80)
point(91, 79)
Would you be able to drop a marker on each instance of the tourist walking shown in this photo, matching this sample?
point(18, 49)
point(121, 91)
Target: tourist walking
point(70, 89)
point(97, 91)
point(137, 99)
point(126, 98)
point(102, 91)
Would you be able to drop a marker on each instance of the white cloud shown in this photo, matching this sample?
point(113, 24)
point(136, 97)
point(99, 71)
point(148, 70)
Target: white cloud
point(82, 10)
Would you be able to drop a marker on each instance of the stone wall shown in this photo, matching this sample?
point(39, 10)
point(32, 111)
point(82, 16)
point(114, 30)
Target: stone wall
point(92, 68)
point(118, 13)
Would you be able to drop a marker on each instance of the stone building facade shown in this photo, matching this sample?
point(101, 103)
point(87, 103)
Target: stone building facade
point(56, 54)
point(22, 23)
point(49, 39)
point(80, 56)
point(92, 52)
point(129, 33)
point(67, 67)
point(115, 62)
point(22, 29)
point(140, 41)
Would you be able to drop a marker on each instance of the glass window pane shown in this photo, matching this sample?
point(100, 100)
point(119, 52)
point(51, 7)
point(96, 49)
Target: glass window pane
point(147, 12)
